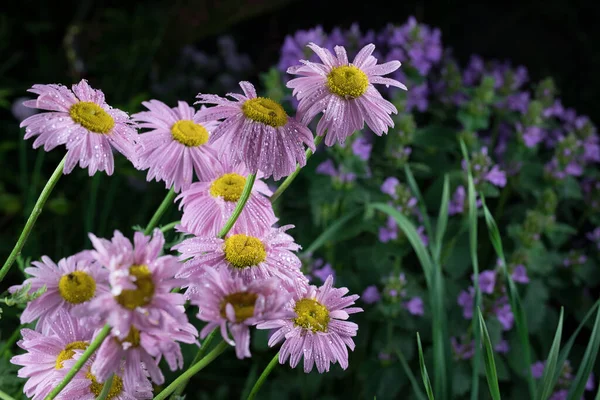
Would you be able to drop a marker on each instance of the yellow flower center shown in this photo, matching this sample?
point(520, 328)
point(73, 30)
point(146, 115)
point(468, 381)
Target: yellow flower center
point(311, 315)
point(347, 81)
point(243, 304)
point(132, 337)
point(92, 117)
point(228, 186)
point(189, 133)
point(69, 352)
point(243, 251)
point(76, 287)
point(142, 295)
point(265, 111)
point(96, 387)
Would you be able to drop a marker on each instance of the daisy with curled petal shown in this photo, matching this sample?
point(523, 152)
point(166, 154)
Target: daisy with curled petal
point(175, 146)
point(207, 205)
point(46, 353)
point(227, 302)
point(81, 120)
point(141, 282)
point(318, 330)
point(257, 132)
point(344, 92)
point(248, 254)
point(72, 281)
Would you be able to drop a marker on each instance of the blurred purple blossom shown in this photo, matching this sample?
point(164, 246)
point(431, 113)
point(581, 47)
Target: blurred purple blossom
point(362, 148)
point(415, 306)
point(371, 295)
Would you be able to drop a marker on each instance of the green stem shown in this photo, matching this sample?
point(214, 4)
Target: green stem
point(198, 357)
point(5, 396)
point(239, 206)
point(291, 178)
point(263, 377)
point(11, 340)
point(193, 370)
point(106, 388)
point(169, 226)
point(80, 362)
point(160, 211)
point(35, 213)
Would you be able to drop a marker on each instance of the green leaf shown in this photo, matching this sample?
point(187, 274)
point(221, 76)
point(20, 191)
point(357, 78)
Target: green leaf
point(442, 221)
point(411, 377)
point(547, 387)
point(488, 357)
point(513, 295)
point(587, 363)
point(424, 374)
point(420, 201)
point(330, 232)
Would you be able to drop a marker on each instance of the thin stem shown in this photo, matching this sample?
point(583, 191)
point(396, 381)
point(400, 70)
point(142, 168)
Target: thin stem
point(169, 226)
point(263, 377)
point(198, 357)
point(193, 370)
point(35, 213)
point(80, 362)
point(106, 388)
point(291, 178)
point(11, 340)
point(239, 206)
point(160, 211)
point(5, 396)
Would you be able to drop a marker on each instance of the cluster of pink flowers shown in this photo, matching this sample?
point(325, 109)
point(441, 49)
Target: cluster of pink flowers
point(128, 291)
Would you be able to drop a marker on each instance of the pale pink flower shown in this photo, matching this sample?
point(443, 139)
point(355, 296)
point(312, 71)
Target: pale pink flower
point(46, 353)
point(81, 120)
point(175, 146)
point(247, 254)
point(257, 132)
point(233, 306)
point(344, 92)
point(318, 330)
point(73, 280)
point(207, 205)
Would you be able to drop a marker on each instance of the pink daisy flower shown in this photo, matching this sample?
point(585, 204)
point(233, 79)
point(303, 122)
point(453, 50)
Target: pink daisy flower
point(248, 255)
point(147, 347)
point(141, 282)
point(72, 281)
point(207, 205)
point(46, 353)
point(258, 132)
point(175, 146)
point(86, 386)
point(229, 303)
point(81, 120)
point(345, 91)
point(318, 330)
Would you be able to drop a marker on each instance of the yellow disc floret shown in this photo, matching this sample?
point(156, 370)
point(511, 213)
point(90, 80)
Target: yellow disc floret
point(69, 352)
point(347, 81)
point(311, 315)
point(243, 251)
point(189, 133)
point(228, 186)
point(92, 117)
point(142, 295)
point(243, 304)
point(76, 287)
point(96, 387)
point(266, 111)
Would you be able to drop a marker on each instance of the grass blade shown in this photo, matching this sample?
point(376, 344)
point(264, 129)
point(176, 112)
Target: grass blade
point(513, 296)
point(330, 232)
point(420, 202)
point(472, 215)
point(587, 363)
point(411, 377)
point(488, 357)
point(442, 221)
point(424, 373)
point(548, 379)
